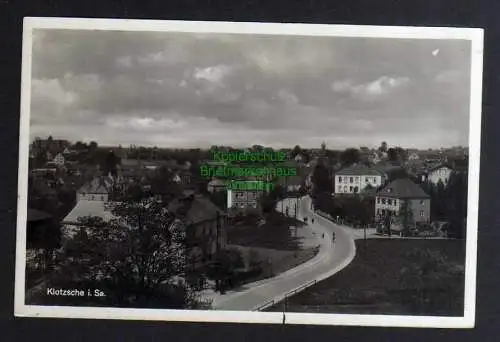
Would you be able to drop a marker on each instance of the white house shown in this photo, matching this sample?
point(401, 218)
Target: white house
point(437, 173)
point(59, 159)
point(355, 179)
point(243, 199)
point(96, 190)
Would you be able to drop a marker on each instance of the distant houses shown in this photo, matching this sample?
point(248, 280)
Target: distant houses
point(205, 226)
point(437, 173)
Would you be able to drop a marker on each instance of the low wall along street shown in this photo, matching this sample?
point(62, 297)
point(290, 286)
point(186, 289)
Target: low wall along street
point(248, 171)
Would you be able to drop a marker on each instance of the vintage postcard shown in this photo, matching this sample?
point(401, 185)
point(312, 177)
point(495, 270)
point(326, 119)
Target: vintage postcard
point(249, 172)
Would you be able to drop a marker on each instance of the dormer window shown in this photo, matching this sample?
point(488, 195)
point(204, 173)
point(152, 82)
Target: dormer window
point(389, 189)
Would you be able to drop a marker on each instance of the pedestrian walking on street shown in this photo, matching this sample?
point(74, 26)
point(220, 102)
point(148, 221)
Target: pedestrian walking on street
point(323, 236)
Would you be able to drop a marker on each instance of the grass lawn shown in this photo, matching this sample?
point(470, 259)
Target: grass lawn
point(274, 234)
point(272, 245)
point(399, 277)
point(275, 261)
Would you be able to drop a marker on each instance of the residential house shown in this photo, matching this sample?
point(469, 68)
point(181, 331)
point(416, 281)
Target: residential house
point(216, 185)
point(205, 226)
point(58, 160)
point(436, 173)
point(96, 190)
point(356, 178)
point(390, 199)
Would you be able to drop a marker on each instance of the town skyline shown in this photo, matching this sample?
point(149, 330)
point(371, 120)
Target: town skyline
point(241, 146)
point(194, 90)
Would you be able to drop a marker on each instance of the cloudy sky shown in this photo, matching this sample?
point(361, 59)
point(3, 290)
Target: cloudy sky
point(197, 90)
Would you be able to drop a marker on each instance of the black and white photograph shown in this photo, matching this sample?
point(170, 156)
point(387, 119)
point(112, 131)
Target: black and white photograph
point(249, 172)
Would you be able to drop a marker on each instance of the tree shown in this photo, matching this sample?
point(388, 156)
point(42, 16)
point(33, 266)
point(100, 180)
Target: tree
point(93, 146)
point(392, 155)
point(405, 214)
point(295, 151)
point(163, 186)
point(110, 163)
point(350, 156)
point(269, 200)
point(456, 204)
point(80, 146)
point(137, 259)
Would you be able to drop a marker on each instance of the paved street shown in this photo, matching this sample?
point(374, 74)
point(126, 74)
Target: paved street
point(331, 258)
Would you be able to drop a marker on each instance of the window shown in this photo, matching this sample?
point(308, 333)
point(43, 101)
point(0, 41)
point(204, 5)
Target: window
point(367, 179)
point(357, 179)
point(421, 213)
point(340, 189)
point(351, 179)
point(395, 202)
point(340, 179)
point(378, 200)
point(389, 201)
point(422, 202)
point(345, 188)
point(383, 200)
point(356, 189)
point(102, 198)
point(350, 189)
point(378, 211)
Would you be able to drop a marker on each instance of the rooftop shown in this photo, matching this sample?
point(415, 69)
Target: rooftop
point(358, 170)
point(195, 208)
point(96, 186)
point(402, 188)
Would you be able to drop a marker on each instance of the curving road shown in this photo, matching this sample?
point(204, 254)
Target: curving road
point(331, 258)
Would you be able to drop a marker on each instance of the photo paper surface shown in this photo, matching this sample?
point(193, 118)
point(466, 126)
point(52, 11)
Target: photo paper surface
point(249, 172)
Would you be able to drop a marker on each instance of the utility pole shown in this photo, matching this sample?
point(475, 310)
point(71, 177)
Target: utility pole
point(364, 249)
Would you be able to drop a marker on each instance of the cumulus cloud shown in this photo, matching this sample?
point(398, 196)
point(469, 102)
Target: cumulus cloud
point(382, 86)
point(180, 89)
